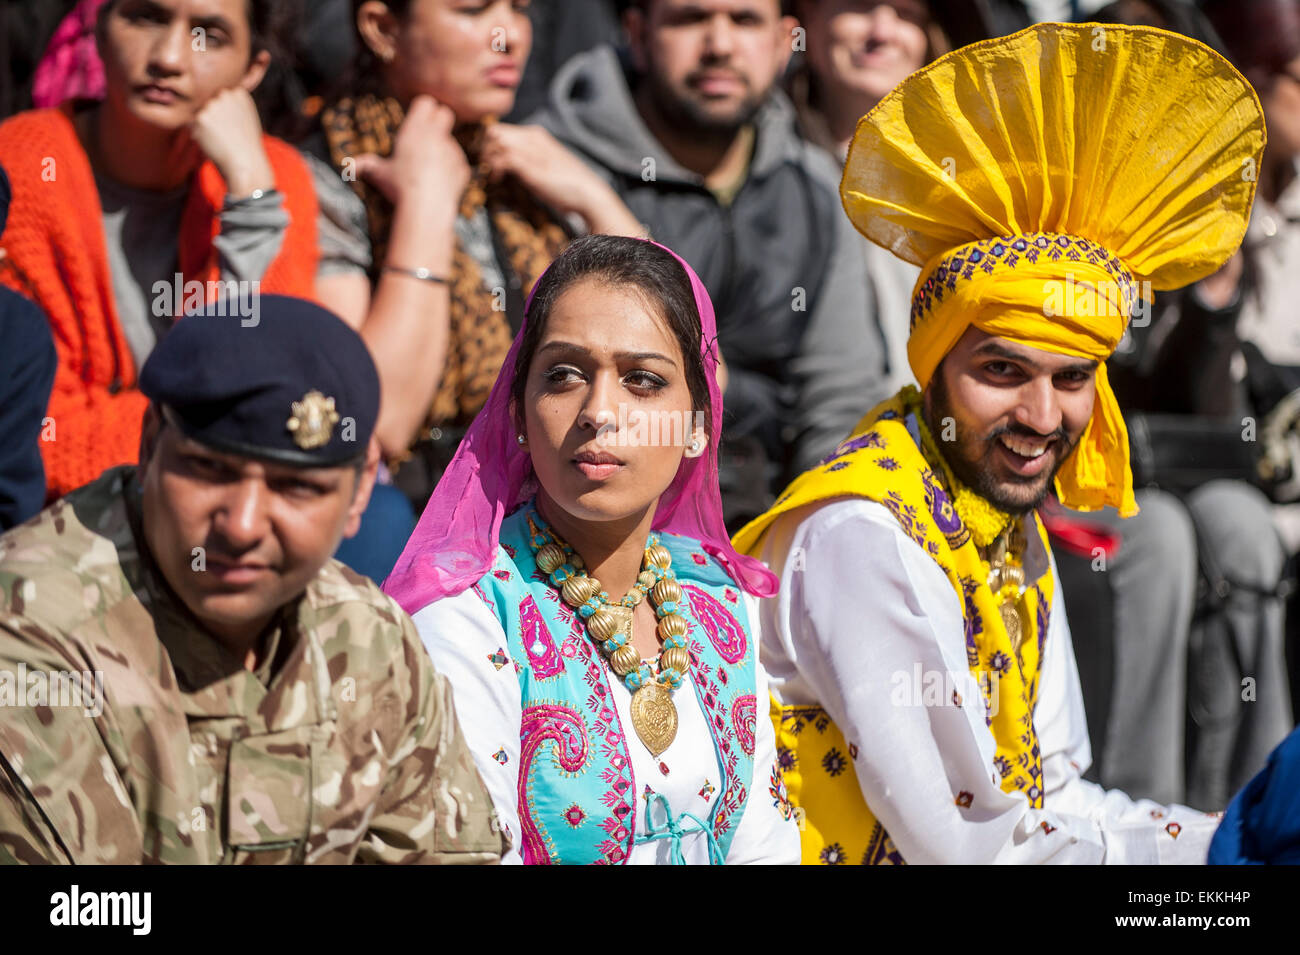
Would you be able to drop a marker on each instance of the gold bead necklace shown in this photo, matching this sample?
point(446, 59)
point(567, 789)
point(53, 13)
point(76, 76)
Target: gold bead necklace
point(654, 714)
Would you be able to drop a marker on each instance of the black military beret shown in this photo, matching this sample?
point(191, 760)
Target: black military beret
point(281, 379)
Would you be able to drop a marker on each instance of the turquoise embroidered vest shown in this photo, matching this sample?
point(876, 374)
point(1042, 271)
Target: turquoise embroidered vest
point(578, 799)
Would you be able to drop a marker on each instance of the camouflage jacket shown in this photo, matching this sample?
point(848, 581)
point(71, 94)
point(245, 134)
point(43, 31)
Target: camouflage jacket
point(128, 734)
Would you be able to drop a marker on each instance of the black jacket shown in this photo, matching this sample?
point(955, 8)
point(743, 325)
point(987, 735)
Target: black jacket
point(27, 362)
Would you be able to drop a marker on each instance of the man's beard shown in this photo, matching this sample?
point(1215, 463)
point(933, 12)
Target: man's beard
point(969, 455)
point(687, 115)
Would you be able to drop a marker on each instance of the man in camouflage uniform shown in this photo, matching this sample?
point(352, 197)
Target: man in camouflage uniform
point(185, 674)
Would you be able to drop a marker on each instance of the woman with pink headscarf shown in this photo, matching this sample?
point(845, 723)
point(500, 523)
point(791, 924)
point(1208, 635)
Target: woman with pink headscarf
point(572, 578)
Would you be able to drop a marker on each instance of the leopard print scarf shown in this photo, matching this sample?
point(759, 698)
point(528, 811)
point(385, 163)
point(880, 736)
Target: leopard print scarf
point(526, 230)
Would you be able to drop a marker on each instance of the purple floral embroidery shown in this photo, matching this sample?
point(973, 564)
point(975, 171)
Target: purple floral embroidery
point(833, 762)
point(1000, 662)
point(871, 439)
point(833, 854)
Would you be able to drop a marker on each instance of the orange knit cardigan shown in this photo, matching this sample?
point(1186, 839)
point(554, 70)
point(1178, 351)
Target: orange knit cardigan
point(56, 254)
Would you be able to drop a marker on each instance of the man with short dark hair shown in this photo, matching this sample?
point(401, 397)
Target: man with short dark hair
point(702, 146)
point(185, 673)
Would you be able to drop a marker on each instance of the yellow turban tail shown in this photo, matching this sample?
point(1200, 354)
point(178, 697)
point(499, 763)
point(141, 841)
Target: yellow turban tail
point(1070, 307)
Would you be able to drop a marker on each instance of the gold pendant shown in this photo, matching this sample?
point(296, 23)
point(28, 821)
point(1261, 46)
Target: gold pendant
point(1013, 620)
point(623, 619)
point(654, 717)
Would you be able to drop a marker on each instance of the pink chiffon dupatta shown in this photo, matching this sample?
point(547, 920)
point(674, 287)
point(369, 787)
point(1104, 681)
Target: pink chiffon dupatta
point(456, 539)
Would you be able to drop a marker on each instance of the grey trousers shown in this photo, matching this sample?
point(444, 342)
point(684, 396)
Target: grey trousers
point(1237, 692)
point(1200, 694)
point(1152, 579)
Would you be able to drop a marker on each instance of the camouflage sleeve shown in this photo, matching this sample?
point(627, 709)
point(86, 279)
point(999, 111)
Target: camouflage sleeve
point(61, 796)
point(25, 835)
point(435, 808)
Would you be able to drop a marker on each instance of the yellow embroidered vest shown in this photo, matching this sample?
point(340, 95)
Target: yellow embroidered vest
point(880, 461)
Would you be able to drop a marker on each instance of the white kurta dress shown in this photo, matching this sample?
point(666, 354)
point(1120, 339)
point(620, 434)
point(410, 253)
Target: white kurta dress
point(462, 633)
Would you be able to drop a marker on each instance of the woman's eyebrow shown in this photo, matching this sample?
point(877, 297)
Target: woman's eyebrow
point(563, 346)
point(570, 348)
point(644, 356)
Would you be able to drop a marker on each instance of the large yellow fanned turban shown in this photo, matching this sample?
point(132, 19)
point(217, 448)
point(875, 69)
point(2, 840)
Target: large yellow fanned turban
point(1045, 179)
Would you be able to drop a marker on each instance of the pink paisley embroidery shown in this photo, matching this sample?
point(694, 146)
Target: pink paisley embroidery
point(744, 719)
point(542, 653)
point(725, 633)
point(564, 727)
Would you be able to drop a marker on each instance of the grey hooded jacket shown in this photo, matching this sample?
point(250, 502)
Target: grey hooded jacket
point(783, 265)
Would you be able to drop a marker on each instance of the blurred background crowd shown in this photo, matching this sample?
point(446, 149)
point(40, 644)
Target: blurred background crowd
point(368, 140)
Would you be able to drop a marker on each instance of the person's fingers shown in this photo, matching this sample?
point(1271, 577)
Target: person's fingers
point(422, 107)
point(367, 165)
point(499, 162)
point(427, 126)
point(508, 147)
point(445, 118)
point(427, 112)
point(493, 163)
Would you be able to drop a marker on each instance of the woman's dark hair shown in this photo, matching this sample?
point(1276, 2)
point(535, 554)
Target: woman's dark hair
point(652, 272)
point(365, 73)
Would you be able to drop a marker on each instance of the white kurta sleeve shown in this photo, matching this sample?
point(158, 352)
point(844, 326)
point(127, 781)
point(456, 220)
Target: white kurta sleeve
point(464, 637)
point(764, 835)
point(868, 627)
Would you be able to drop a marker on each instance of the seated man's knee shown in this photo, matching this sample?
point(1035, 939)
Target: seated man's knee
point(1161, 533)
point(1235, 522)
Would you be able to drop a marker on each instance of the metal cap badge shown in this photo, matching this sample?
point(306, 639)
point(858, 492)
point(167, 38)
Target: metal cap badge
point(312, 421)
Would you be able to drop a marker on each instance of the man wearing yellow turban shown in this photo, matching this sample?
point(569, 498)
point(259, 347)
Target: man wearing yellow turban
point(926, 695)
